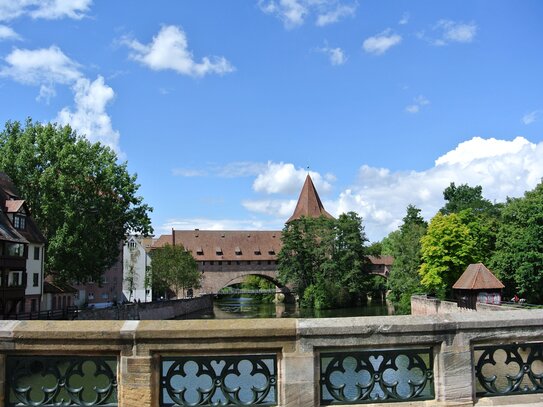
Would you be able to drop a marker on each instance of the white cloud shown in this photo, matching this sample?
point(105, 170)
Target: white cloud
point(284, 178)
point(230, 170)
point(47, 92)
point(188, 172)
point(240, 169)
point(90, 117)
point(531, 117)
point(336, 55)
point(293, 13)
point(457, 32)
point(48, 67)
point(503, 168)
point(381, 43)
point(45, 65)
point(451, 31)
point(169, 50)
point(479, 148)
point(47, 9)
point(281, 208)
point(333, 16)
point(405, 19)
point(417, 104)
point(7, 33)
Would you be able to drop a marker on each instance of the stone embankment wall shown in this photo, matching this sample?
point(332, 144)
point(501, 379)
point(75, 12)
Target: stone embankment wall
point(152, 310)
point(423, 305)
point(139, 347)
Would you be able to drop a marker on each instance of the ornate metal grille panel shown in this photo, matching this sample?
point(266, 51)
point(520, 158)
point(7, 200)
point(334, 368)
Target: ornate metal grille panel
point(376, 376)
point(61, 381)
point(245, 380)
point(509, 369)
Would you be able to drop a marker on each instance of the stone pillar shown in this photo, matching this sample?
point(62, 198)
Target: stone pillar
point(298, 379)
point(137, 382)
point(454, 373)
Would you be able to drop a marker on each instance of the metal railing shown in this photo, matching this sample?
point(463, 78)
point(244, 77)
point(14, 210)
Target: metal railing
point(68, 313)
point(372, 376)
point(241, 380)
point(61, 381)
point(508, 369)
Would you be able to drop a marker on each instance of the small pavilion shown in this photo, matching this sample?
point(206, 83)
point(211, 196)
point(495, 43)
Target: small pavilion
point(477, 284)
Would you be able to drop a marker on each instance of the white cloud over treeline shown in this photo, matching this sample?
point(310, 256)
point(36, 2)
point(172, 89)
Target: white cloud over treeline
point(502, 167)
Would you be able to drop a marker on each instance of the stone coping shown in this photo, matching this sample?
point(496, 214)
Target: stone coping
point(268, 328)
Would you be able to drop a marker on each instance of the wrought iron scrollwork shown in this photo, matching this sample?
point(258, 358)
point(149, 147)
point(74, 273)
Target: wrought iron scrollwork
point(61, 381)
point(245, 380)
point(376, 376)
point(509, 369)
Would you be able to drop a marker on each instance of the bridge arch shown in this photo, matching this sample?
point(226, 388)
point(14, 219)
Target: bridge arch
point(213, 282)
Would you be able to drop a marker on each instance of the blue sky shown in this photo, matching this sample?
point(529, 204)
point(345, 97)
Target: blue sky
point(220, 106)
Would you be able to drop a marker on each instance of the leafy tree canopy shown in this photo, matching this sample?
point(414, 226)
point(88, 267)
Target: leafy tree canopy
point(447, 249)
point(82, 199)
point(173, 267)
point(464, 197)
point(405, 246)
point(325, 259)
point(518, 258)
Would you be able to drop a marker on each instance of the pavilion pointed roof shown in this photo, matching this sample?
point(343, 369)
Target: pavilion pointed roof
point(477, 277)
point(309, 204)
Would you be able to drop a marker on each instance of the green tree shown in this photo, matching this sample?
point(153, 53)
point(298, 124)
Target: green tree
point(305, 259)
point(325, 260)
point(350, 253)
point(173, 267)
point(479, 214)
point(447, 249)
point(464, 197)
point(82, 199)
point(405, 246)
point(518, 259)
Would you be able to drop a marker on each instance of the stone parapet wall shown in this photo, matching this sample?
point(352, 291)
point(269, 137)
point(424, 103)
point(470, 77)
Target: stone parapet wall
point(153, 310)
point(423, 305)
point(297, 344)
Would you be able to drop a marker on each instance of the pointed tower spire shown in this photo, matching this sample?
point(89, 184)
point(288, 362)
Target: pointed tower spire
point(309, 204)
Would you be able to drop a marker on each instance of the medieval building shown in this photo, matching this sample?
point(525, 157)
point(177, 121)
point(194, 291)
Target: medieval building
point(22, 249)
point(226, 257)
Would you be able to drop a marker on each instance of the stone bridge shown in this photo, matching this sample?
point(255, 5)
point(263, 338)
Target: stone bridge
point(436, 360)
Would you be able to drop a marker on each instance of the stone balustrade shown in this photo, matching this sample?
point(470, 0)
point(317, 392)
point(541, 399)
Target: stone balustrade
point(148, 353)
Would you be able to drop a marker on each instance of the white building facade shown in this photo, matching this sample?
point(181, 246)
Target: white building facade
point(136, 269)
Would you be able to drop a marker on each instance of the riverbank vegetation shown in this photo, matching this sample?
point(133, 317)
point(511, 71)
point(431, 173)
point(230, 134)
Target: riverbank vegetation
point(325, 259)
point(507, 237)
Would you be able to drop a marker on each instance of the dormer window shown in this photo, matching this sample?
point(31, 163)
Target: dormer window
point(19, 222)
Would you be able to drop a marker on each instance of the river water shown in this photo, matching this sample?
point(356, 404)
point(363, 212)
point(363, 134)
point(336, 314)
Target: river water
point(227, 307)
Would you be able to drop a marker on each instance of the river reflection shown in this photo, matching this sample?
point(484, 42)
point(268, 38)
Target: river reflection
point(227, 307)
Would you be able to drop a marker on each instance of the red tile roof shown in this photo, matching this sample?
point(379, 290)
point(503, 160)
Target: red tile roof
point(309, 204)
point(381, 260)
point(477, 277)
point(207, 245)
